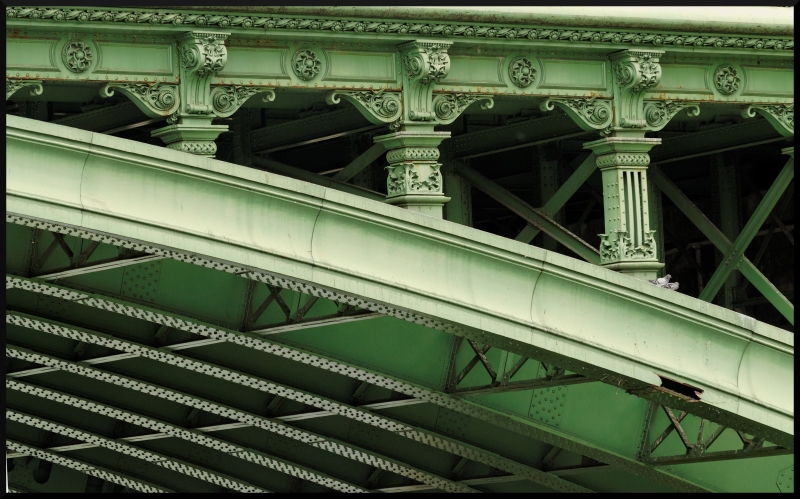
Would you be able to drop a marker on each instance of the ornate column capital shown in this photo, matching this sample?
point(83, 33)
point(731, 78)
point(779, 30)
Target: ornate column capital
point(635, 72)
point(415, 179)
point(628, 246)
point(425, 62)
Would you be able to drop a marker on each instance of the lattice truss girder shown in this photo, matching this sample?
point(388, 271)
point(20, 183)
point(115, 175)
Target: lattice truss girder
point(217, 334)
point(417, 434)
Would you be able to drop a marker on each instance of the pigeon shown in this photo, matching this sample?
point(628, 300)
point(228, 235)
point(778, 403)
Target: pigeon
point(663, 282)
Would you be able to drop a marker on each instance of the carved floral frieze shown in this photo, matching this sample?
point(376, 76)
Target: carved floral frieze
point(397, 28)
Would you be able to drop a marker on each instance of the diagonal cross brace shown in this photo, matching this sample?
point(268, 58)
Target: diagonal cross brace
point(586, 166)
point(722, 243)
point(531, 215)
point(734, 255)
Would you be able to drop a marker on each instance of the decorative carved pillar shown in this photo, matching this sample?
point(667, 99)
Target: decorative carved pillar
point(415, 179)
point(202, 55)
point(629, 245)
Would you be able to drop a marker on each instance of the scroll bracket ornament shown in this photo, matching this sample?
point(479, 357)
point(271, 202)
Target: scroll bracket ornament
point(425, 63)
point(378, 106)
point(658, 113)
point(781, 116)
point(448, 107)
point(635, 73)
point(12, 86)
point(226, 100)
point(154, 100)
point(590, 114)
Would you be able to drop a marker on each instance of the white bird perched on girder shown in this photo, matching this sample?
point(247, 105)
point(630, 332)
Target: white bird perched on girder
point(663, 282)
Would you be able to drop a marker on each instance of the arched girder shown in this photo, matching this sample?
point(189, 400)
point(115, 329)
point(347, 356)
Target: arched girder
point(511, 324)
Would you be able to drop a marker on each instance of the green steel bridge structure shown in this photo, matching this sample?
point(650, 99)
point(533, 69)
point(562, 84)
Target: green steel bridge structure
point(368, 249)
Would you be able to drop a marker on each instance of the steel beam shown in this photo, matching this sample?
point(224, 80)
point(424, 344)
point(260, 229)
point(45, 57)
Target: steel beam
point(98, 267)
point(194, 436)
point(584, 165)
point(322, 126)
point(516, 386)
point(546, 433)
point(420, 393)
point(104, 119)
point(315, 322)
point(531, 215)
point(722, 243)
point(307, 176)
point(714, 140)
point(364, 160)
point(325, 404)
point(735, 254)
point(136, 484)
point(316, 440)
point(169, 463)
point(528, 133)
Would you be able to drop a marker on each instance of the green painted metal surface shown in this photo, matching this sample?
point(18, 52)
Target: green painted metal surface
point(178, 323)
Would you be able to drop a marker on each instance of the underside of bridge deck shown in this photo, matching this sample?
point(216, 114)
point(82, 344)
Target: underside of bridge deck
point(265, 305)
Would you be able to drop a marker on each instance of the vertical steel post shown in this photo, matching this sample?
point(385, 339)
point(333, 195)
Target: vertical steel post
point(549, 183)
point(459, 209)
point(727, 197)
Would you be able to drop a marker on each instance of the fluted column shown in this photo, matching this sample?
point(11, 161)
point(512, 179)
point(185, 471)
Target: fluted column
point(628, 245)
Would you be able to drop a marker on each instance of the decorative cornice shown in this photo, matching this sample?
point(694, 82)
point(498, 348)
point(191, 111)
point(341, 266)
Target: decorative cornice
point(362, 26)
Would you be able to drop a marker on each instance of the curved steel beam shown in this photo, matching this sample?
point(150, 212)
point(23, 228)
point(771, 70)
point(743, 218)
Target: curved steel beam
point(550, 307)
point(169, 463)
point(250, 455)
point(90, 469)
